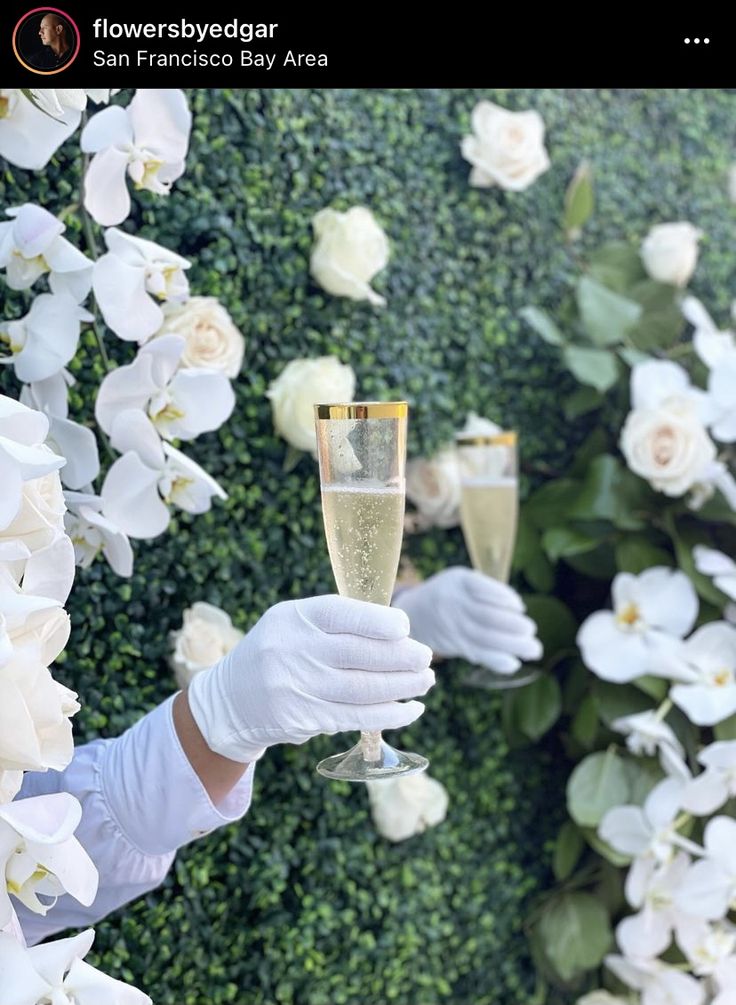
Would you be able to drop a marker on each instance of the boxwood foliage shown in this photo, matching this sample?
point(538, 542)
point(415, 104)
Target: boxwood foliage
point(302, 903)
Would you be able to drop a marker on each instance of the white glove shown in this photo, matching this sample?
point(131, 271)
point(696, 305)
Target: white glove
point(312, 666)
point(461, 612)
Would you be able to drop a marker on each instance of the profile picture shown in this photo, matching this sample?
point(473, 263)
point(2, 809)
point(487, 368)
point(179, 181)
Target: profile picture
point(46, 40)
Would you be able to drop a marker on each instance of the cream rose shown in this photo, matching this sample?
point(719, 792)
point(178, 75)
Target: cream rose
point(433, 486)
point(207, 634)
point(302, 384)
point(670, 252)
point(402, 807)
point(668, 445)
point(212, 340)
point(506, 148)
point(476, 425)
point(350, 249)
point(40, 518)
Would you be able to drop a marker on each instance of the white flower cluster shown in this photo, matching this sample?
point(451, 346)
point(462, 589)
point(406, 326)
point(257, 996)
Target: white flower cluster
point(679, 890)
point(178, 386)
point(40, 859)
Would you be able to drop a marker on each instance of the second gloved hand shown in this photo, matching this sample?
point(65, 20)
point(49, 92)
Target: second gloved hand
point(462, 612)
point(320, 665)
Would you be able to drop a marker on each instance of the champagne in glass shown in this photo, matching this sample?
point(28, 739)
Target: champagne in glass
point(362, 457)
point(489, 506)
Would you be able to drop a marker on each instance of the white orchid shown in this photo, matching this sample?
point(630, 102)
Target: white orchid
point(148, 140)
point(658, 383)
point(725, 977)
point(658, 983)
point(55, 101)
point(710, 694)
point(46, 338)
point(40, 855)
point(651, 888)
point(35, 731)
point(91, 532)
point(55, 972)
point(648, 831)
point(710, 789)
point(602, 998)
point(709, 343)
point(722, 568)
point(652, 612)
point(148, 477)
point(706, 946)
point(133, 280)
point(709, 888)
point(28, 137)
point(646, 733)
point(31, 245)
point(181, 404)
point(23, 454)
point(70, 439)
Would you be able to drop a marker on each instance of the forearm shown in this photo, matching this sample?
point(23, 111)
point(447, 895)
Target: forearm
point(219, 775)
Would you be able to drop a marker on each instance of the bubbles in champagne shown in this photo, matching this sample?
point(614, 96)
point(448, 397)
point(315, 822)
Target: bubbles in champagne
point(364, 527)
point(488, 513)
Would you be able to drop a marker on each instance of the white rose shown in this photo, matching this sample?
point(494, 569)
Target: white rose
point(507, 148)
point(302, 384)
point(602, 998)
point(350, 249)
point(206, 635)
point(668, 445)
point(212, 340)
point(40, 518)
point(670, 252)
point(402, 807)
point(433, 486)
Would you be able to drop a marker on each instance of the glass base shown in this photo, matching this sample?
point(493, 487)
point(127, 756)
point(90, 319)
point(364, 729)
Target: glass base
point(490, 680)
point(353, 767)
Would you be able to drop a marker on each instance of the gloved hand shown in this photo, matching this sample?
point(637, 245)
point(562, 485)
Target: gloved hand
point(319, 665)
point(461, 612)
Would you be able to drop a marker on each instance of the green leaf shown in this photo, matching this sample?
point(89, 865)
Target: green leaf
point(662, 322)
point(614, 701)
point(643, 774)
point(596, 785)
point(559, 542)
point(579, 201)
point(726, 730)
point(556, 625)
point(551, 504)
point(596, 367)
point(530, 559)
point(543, 325)
point(612, 492)
point(576, 933)
point(537, 706)
point(568, 849)
point(291, 459)
point(635, 554)
point(633, 357)
point(585, 723)
point(617, 265)
point(655, 687)
point(598, 564)
point(606, 316)
point(582, 401)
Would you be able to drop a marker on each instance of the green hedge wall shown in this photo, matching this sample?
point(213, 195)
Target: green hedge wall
point(302, 904)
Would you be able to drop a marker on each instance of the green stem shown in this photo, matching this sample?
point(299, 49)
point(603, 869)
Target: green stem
point(663, 710)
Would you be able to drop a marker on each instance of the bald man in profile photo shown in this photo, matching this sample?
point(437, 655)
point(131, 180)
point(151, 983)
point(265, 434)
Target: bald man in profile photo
point(57, 42)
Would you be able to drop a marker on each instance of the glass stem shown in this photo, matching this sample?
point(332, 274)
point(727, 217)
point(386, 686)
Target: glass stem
point(370, 744)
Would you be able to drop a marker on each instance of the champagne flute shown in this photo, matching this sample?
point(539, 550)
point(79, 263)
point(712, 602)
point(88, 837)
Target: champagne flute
point(362, 457)
point(489, 507)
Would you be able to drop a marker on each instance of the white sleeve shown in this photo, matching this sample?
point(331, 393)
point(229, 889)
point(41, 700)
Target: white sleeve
point(141, 801)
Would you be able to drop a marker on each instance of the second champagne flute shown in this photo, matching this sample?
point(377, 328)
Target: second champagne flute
point(489, 506)
point(362, 458)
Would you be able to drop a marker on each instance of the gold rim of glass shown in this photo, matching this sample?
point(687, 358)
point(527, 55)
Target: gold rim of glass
point(364, 410)
point(504, 439)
